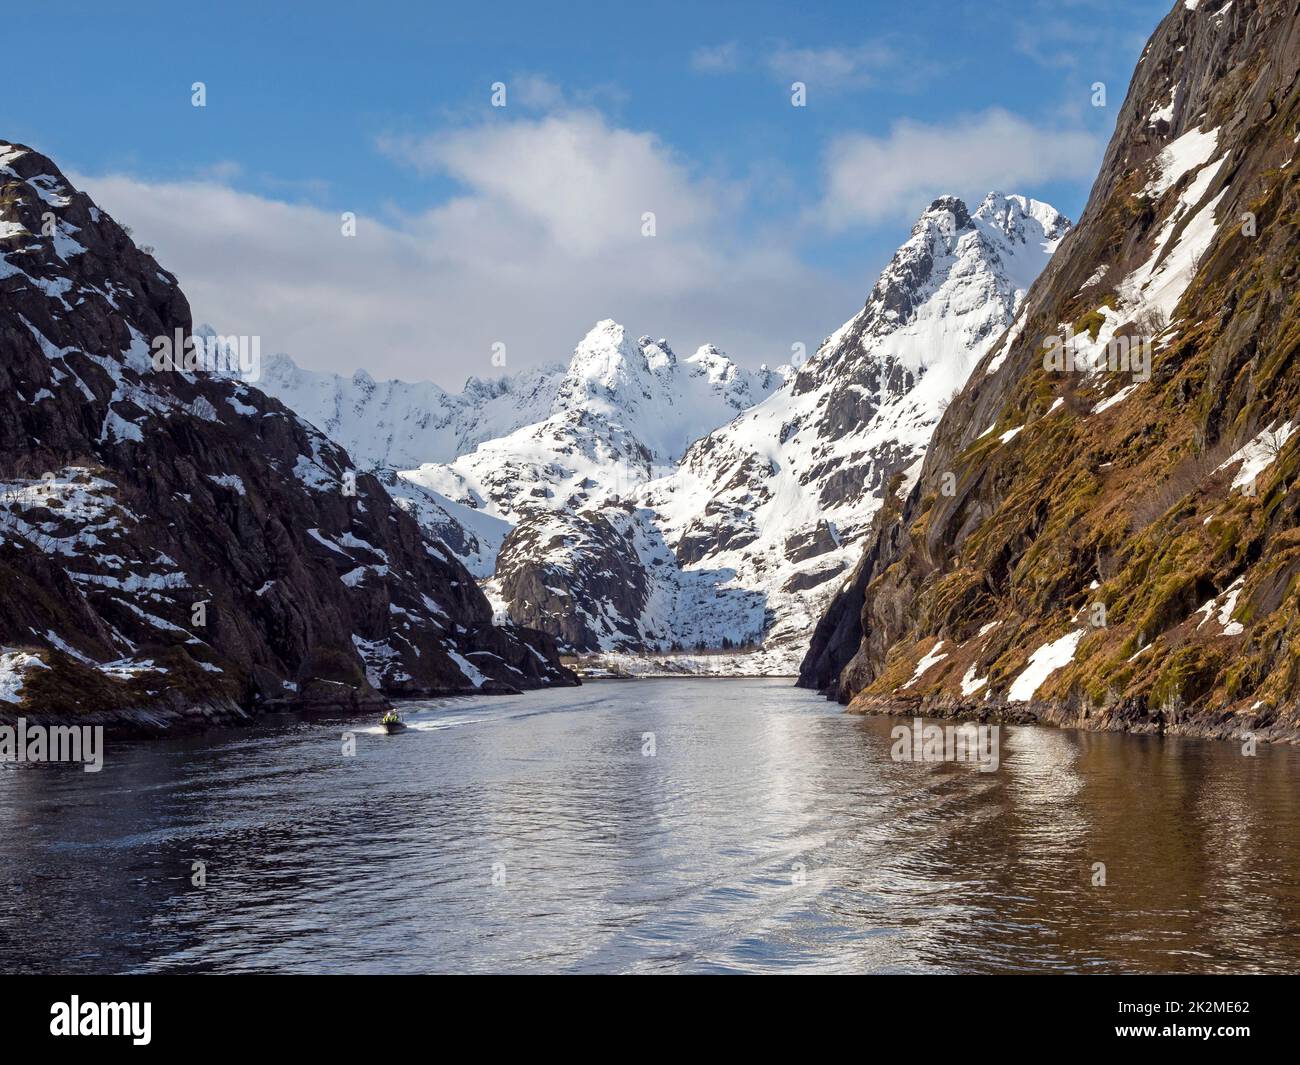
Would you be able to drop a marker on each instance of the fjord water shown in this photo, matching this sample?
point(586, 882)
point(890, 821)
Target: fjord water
point(766, 832)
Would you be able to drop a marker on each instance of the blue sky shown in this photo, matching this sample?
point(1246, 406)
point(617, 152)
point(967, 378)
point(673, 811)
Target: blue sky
point(522, 224)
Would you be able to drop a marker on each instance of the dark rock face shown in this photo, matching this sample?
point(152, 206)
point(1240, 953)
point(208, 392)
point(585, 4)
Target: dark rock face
point(1139, 534)
point(556, 568)
point(805, 579)
point(811, 543)
point(173, 539)
point(727, 522)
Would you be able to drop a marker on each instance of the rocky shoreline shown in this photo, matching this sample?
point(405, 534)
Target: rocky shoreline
point(178, 716)
point(1131, 720)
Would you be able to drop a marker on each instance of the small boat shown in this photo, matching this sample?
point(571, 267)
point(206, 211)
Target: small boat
point(391, 723)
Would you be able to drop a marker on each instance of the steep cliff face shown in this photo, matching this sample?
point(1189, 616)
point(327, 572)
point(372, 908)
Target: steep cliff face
point(1104, 530)
point(175, 545)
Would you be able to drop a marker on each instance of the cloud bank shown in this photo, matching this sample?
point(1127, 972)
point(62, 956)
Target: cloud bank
point(544, 234)
point(874, 179)
point(544, 238)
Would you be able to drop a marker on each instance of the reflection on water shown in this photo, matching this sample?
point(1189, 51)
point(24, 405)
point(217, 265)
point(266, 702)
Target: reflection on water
point(768, 832)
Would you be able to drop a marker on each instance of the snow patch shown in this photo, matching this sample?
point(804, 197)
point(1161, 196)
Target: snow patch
point(1042, 664)
point(970, 683)
point(1259, 454)
point(471, 671)
point(930, 658)
point(14, 665)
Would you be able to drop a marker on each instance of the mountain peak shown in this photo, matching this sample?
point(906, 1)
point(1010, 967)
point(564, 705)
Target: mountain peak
point(951, 208)
point(607, 368)
point(605, 347)
point(1021, 218)
point(951, 287)
point(1006, 243)
point(709, 353)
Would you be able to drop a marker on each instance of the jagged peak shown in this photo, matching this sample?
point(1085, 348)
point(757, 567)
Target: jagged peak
point(710, 353)
point(28, 164)
point(605, 351)
point(997, 253)
point(717, 365)
point(658, 354)
point(1009, 214)
point(942, 211)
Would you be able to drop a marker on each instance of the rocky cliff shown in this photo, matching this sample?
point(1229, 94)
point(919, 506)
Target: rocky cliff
point(176, 546)
point(1104, 530)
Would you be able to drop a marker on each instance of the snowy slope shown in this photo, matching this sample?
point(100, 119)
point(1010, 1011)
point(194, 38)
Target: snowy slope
point(663, 402)
point(474, 464)
point(624, 412)
point(782, 495)
point(398, 423)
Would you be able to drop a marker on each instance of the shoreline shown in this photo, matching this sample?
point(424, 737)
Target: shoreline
point(588, 678)
point(175, 718)
point(1052, 715)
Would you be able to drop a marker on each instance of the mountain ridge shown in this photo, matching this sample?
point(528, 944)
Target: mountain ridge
point(404, 424)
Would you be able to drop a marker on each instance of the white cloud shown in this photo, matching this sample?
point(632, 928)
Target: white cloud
point(537, 90)
point(876, 179)
point(583, 183)
point(832, 68)
point(717, 59)
point(544, 239)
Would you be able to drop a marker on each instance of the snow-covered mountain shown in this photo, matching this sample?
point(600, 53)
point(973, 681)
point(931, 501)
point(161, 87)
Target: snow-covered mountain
point(634, 502)
point(178, 549)
point(782, 495)
point(740, 544)
point(620, 412)
point(663, 402)
point(398, 423)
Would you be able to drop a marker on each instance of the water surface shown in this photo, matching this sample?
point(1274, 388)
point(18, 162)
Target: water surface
point(767, 832)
